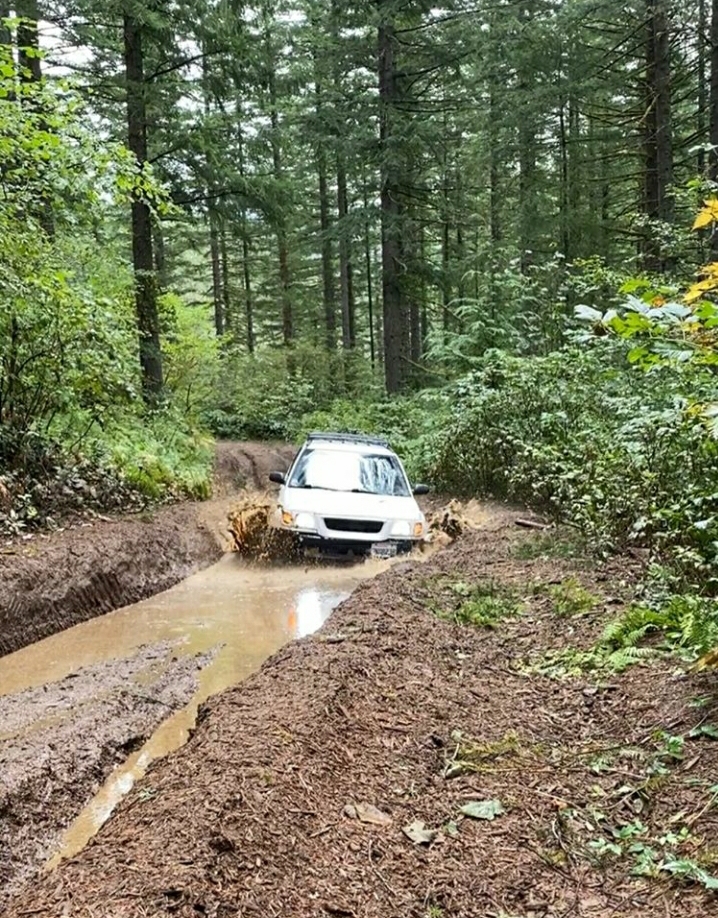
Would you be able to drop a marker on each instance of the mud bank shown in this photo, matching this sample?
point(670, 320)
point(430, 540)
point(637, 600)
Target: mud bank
point(56, 580)
point(59, 740)
point(332, 782)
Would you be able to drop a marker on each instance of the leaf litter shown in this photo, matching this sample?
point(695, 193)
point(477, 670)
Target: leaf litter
point(274, 763)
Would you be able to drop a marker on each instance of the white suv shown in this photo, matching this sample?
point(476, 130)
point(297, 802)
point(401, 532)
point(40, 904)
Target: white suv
point(349, 493)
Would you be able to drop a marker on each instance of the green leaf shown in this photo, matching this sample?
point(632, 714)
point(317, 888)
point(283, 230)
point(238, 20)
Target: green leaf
point(483, 809)
point(418, 833)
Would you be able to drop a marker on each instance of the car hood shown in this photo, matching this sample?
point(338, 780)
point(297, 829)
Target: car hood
point(354, 506)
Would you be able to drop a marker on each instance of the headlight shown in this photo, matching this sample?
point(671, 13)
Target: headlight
point(305, 521)
point(401, 529)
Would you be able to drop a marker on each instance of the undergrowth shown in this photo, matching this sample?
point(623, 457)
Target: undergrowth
point(482, 605)
point(130, 462)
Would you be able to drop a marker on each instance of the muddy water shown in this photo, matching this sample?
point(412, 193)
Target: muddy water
point(246, 612)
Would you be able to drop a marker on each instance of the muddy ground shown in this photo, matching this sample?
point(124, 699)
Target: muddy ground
point(299, 789)
point(55, 580)
point(59, 741)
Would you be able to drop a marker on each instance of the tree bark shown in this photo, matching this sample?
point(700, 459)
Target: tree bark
point(713, 112)
point(329, 290)
point(391, 211)
point(148, 325)
point(658, 131)
point(702, 102)
point(226, 293)
point(216, 275)
point(248, 298)
point(346, 271)
point(446, 285)
point(285, 284)
point(327, 248)
point(27, 41)
point(369, 275)
point(246, 272)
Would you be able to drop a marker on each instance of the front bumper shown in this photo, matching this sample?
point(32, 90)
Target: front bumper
point(345, 533)
point(342, 548)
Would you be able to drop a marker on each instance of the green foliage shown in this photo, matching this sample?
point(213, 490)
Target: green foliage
point(684, 622)
point(593, 442)
point(570, 662)
point(483, 605)
point(267, 395)
point(566, 546)
point(570, 598)
point(74, 435)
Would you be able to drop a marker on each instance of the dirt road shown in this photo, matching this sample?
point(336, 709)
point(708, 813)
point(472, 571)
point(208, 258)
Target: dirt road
point(401, 764)
point(84, 712)
point(55, 580)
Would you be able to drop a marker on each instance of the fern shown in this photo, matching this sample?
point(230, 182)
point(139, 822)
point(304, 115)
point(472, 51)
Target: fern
point(632, 627)
point(689, 623)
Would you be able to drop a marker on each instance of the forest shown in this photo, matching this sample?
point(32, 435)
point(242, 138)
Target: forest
point(481, 227)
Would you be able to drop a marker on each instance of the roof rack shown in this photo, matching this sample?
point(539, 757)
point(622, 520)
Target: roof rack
point(350, 438)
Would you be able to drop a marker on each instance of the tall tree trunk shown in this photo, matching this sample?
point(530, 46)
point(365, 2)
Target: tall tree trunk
point(346, 273)
point(446, 285)
point(527, 153)
point(574, 175)
point(160, 255)
point(702, 102)
point(216, 275)
point(246, 272)
point(27, 41)
point(329, 290)
point(391, 211)
point(564, 197)
point(494, 171)
point(285, 285)
point(328, 286)
point(148, 325)
point(527, 180)
point(369, 275)
point(659, 202)
point(713, 112)
point(226, 293)
point(248, 298)
point(418, 294)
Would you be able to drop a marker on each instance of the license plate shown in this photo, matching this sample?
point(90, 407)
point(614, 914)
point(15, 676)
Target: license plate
point(384, 550)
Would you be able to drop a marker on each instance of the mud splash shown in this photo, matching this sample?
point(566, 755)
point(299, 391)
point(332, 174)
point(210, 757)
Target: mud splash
point(252, 537)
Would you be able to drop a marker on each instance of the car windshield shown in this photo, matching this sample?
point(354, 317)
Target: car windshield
point(333, 470)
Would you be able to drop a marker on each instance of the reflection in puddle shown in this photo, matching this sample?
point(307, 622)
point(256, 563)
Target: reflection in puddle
point(248, 613)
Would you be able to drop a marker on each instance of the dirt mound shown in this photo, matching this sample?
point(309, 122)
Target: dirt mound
point(246, 466)
point(399, 764)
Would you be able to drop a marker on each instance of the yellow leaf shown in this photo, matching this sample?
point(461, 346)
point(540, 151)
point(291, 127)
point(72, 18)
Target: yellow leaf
point(708, 215)
point(704, 218)
point(697, 291)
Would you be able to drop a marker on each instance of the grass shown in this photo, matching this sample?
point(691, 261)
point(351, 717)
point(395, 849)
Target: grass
point(566, 546)
point(483, 605)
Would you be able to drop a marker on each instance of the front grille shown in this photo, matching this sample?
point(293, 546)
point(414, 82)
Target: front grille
point(369, 526)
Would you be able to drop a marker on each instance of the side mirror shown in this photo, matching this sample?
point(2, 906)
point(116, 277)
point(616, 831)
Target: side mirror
point(277, 477)
point(421, 489)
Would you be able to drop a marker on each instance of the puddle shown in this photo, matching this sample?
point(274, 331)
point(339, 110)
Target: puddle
point(247, 612)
